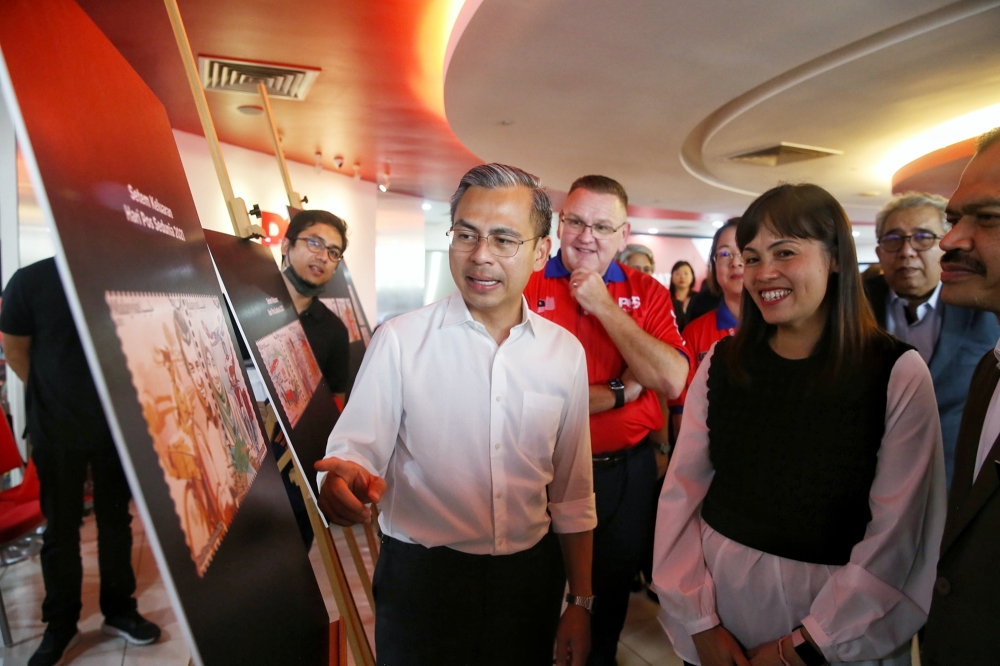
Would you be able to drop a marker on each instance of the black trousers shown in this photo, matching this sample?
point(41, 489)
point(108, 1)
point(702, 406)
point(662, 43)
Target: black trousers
point(624, 506)
point(440, 607)
point(62, 471)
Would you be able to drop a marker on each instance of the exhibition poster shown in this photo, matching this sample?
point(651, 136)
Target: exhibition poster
point(278, 346)
point(103, 163)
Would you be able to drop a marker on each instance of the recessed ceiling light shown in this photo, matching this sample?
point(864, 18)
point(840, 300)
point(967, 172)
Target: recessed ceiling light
point(382, 187)
point(506, 122)
point(718, 224)
point(870, 193)
point(250, 110)
point(855, 233)
point(426, 206)
point(653, 230)
point(951, 132)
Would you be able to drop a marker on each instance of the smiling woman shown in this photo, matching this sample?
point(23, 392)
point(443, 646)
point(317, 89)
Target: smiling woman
point(806, 495)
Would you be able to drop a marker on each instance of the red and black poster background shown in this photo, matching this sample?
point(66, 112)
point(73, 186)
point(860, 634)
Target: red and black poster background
point(147, 303)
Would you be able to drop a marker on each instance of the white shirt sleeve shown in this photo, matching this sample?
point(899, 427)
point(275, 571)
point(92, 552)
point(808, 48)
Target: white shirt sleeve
point(571, 495)
point(881, 597)
point(680, 575)
point(366, 432)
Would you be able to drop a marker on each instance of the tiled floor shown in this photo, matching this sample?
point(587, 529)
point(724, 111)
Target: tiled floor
point(643, 642)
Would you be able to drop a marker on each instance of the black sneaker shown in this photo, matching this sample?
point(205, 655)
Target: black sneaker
point(133, 627)
point(55, 642)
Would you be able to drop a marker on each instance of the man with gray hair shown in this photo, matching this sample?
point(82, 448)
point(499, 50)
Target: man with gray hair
point(468, 422)
point(949, 338)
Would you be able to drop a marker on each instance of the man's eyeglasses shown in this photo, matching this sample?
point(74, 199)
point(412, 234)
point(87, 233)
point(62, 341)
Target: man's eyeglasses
point(317, 246)
point(501, 245)
point(599, 230)
point(723, 256)
point(919, 241)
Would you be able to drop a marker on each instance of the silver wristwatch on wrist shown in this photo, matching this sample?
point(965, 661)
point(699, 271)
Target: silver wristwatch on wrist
point(584, 602)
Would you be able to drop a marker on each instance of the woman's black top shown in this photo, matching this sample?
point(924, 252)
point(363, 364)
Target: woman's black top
point(795, 455)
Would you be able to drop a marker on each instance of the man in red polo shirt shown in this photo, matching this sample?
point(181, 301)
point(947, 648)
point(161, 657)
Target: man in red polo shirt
point(625, 321)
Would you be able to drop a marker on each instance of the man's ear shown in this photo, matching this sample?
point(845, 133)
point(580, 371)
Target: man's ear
point(627, 230)
point(542, 250)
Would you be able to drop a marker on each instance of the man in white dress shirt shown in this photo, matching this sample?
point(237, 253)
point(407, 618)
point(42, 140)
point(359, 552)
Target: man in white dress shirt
point(468, 424)
point(962, 625)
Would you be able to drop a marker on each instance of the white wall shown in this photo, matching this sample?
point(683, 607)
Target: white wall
point(399, 257)
point(256, 178)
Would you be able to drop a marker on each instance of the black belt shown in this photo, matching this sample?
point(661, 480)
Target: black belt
point(613, 459)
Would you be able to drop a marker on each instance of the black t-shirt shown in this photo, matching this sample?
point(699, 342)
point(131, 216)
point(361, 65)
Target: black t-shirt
point(330, 343)
point(62, 404)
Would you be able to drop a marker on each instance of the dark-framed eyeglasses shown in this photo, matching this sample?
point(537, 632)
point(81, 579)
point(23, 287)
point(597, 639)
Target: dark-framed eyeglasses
point(501, 245)
point(317, 246)
point(919, 241)
point(599, 230)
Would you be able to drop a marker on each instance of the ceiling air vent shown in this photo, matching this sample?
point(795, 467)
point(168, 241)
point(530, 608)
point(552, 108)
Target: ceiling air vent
point(784, 153)
point(234, 75)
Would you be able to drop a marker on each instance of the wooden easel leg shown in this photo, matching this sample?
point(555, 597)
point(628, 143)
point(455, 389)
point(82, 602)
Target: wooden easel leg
point(338, 643)
point(359, 564)
point(373, 545)
point(356, 638)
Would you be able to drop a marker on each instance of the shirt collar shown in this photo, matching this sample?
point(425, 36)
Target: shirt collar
point(555, 268)
point(996, 352)
point(457, 312)
point(724, 318)
point(929, 304)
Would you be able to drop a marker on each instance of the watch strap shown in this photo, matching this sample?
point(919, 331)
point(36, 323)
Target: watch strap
point(807, 653)
point(618, 388)
point(584, 602)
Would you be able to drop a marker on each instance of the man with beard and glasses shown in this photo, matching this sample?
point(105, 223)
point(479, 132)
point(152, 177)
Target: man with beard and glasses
point(962, 625)
point(906, 301)
point(468, 422)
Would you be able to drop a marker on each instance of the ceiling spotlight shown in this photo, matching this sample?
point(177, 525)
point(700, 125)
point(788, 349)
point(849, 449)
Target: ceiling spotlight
point(318, 165)
point(426, 206)
point(250, 110)
point(357, 170)
point(506, 122)
point(382, 187)
point(718, 224)
point(384, 179)
point(653, 230)
point(855, 233)
point(338, 161)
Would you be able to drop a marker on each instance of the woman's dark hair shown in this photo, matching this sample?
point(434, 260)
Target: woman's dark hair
point(694, 277)
point(712, 280)
point(810, 212)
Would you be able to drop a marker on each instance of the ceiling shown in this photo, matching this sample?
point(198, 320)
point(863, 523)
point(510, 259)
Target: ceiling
point(567, 87)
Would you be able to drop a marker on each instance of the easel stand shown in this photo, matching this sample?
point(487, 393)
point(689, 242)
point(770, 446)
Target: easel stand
point(356, 637)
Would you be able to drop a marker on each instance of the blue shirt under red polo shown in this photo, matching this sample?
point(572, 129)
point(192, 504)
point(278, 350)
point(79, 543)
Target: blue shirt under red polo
point(648, 303)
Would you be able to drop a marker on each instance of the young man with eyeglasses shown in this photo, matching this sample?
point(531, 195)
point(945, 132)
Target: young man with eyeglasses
point(625, 321)
point(950, 339)
point(468, 424)
point(311, 251)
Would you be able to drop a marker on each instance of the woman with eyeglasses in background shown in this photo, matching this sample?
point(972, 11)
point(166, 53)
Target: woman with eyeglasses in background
point(725, 267)
point(801, 515)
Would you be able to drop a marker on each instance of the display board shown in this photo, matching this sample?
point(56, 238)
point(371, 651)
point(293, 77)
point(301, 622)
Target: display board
point(341, 297)
point(277, 343)
point(144, 295)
